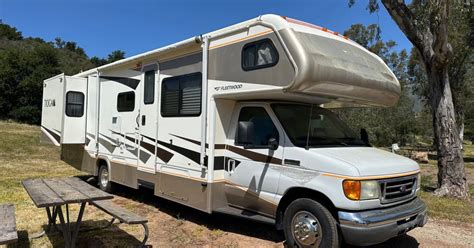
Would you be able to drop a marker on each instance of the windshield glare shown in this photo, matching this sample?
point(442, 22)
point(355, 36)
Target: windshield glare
point(311, 126)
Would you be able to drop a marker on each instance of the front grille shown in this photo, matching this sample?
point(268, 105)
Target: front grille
point(397, 189)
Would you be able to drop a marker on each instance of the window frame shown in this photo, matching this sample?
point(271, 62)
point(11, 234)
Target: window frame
point(236, 143)
point(163, 91)
point(82, 104)
point(256, 43)
point(123, 93)
point(145, 87)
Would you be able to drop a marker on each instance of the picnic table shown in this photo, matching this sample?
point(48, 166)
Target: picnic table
point(53, 194)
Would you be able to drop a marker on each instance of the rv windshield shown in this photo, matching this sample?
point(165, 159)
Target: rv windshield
point(311, 126)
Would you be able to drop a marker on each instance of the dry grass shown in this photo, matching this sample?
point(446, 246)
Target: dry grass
point(171, 225)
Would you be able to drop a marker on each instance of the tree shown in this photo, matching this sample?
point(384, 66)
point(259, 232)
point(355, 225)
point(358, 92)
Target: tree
point(461, 38)
point(9, 33)
point(96, 61)
point(428, 32)
point(115, 55)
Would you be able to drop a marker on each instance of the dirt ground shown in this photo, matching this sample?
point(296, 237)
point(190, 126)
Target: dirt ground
point(174, 225)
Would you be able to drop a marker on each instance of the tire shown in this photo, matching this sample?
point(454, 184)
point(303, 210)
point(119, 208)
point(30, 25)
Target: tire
point(103, 179)
point(307, 223)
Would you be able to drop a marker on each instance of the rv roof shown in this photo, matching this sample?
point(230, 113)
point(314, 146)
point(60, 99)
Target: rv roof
point(279, 22)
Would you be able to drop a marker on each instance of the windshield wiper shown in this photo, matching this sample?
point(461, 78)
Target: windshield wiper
point(333, 140)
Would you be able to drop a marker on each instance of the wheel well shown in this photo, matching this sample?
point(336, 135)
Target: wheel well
point(298, 192)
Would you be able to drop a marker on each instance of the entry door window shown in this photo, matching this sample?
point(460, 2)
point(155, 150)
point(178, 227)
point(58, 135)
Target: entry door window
point(264, 129)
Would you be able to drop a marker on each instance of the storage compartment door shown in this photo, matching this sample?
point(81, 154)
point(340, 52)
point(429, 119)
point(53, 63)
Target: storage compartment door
point(74, 111)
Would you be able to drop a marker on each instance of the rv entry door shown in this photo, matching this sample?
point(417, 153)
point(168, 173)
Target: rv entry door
point(148, 97)
point(73, 128)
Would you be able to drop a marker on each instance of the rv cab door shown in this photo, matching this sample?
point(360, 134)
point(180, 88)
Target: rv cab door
point(73, 128)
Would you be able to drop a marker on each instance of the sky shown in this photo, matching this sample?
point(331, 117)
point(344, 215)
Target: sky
point(136, 26)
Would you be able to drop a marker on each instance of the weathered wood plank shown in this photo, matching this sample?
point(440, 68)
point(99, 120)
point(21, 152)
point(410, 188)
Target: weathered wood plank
point(118, 212)
point(91, 192)
point(41, 194)
point(65, 191)
point(8, 232)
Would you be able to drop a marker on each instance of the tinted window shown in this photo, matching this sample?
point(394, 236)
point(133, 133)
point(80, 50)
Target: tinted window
point(74, 104)
point(181, 95)
point(311, 126)
point(264, 129)
point(259, 54)
point(126, 101)
point(149, 91)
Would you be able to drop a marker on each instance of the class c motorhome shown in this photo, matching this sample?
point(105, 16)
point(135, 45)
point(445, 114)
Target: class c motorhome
point(238, 121)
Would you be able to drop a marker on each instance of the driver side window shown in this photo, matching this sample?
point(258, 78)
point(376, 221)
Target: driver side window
point(264, 129)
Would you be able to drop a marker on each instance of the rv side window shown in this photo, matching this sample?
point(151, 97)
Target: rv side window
point(126, 101)
point(263, 127)
point(181, 95)
point(149, 91)
point(259, 54)
point(74, 104)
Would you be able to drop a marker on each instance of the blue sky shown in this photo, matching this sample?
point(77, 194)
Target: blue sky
point(135, 26)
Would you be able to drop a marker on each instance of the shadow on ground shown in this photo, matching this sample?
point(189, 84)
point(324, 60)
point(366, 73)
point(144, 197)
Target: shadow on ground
point(227, 223)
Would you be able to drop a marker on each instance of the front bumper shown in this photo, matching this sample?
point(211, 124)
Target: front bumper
point(376, 226)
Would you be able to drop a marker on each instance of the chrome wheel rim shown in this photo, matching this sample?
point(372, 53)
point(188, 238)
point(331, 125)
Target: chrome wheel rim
point(306, 229)
point(104, 178)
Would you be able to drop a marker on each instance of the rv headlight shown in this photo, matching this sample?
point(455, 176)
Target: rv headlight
point(361, 190)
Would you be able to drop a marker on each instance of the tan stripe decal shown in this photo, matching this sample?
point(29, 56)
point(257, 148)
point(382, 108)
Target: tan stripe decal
point(371, 177)
point(254, 155)
point(241, 39)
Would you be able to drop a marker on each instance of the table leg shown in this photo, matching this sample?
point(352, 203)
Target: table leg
point(65, 230)
point(70, 234)
point(78, 223)
point(52, 216)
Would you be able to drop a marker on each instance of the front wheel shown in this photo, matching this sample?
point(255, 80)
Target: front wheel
point(307, 223)
point(104, 179)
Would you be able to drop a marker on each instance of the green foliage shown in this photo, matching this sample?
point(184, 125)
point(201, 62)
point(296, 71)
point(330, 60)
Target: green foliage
point(26, 62)
point(9, 33)
point(115, 55)
point(385, 126)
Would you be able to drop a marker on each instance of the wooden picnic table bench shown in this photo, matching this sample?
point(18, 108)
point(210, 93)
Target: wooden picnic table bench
point(8, 232)
point(52, 194)
point(123, 215)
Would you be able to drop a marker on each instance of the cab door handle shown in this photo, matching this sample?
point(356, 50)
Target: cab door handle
point(143, 120)
point(231, 166)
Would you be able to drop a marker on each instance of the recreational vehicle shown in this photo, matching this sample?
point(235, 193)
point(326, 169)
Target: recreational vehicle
point(238, 121)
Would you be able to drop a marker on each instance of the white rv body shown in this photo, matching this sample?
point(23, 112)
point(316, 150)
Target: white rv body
point(168, 120)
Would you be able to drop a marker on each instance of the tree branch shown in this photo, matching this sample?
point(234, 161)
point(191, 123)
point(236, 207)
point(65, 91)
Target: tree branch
point(420, 37)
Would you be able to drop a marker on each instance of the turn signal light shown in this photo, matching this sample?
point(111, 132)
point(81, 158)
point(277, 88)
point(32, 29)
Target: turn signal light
point(351, 189)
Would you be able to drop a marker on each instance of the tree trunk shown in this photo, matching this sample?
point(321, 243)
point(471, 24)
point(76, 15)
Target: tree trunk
point(451, 174)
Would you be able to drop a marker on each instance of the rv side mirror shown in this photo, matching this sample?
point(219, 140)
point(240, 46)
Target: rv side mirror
point(245, 131)
point(364, 136)
point(272, 144)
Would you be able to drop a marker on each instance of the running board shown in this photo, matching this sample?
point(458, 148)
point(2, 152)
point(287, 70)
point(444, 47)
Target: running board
point(246, 214)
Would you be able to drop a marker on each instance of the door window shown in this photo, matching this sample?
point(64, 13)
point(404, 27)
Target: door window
point(264, 129)
point(149, 90)
point(74, 104)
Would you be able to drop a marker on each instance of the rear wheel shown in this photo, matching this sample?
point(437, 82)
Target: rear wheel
point(307, 223)
point(104, 179)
